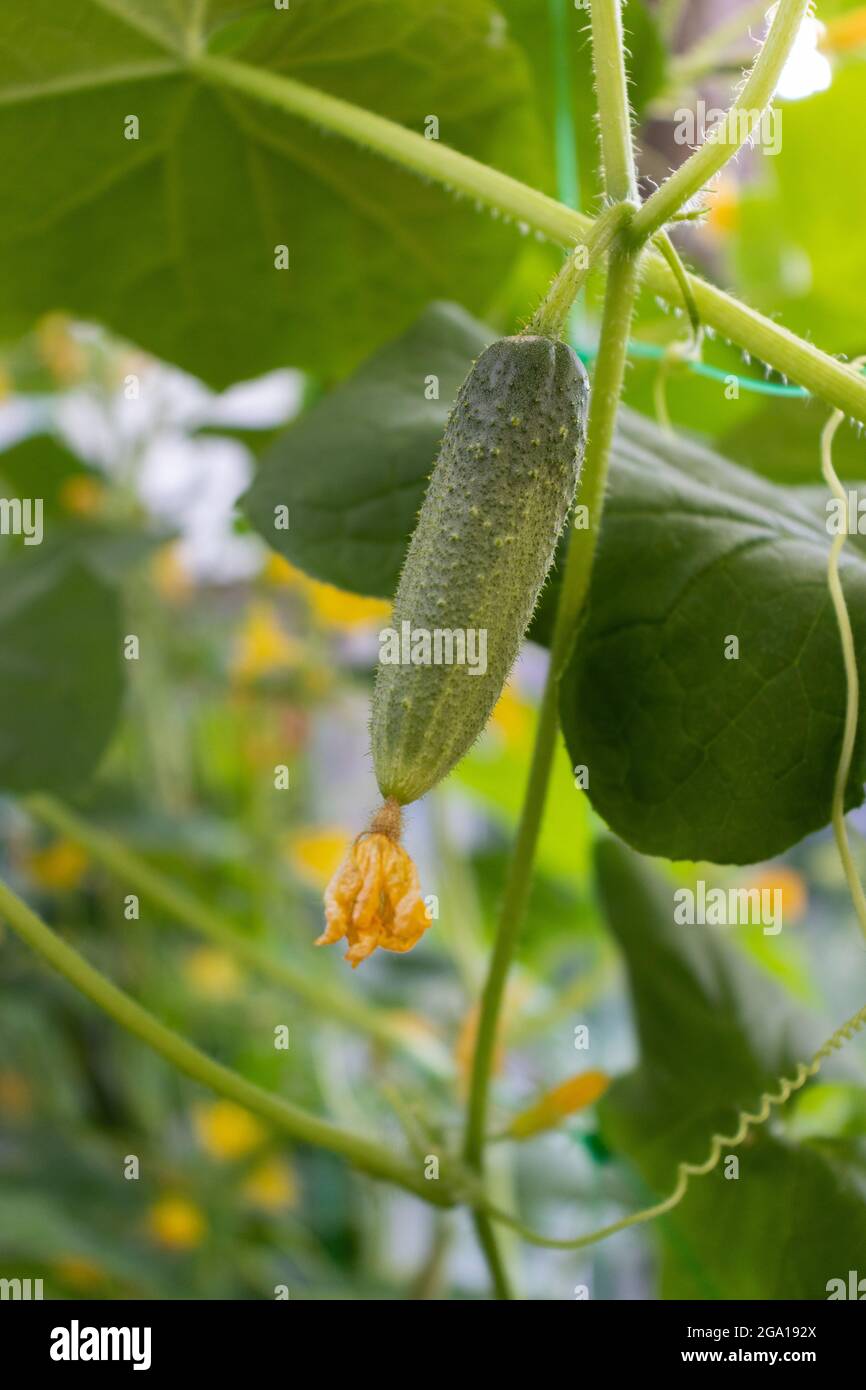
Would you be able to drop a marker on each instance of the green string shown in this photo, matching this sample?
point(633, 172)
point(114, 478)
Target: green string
point(565, 144)
point(568, 192)
point(747, 383)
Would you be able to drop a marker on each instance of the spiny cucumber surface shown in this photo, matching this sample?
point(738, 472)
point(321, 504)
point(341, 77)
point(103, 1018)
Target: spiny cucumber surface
point(496, 503)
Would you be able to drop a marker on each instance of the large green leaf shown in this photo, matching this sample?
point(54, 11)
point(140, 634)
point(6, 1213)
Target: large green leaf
point(60, 670)
point(714, 1035)
point(170, 238)
point(782, 440)
point(353, 469)
point(689, 754)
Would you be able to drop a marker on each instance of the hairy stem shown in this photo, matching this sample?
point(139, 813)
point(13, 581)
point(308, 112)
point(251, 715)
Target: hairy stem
point(365, 1154)
point(551, 316)
point(177, 902)
point(729, 134)
point(819, 373)
point(430, 158)
point(611, 91)
point(513, 904)
point(607, 385)
point(606, 390)
point(620, 294)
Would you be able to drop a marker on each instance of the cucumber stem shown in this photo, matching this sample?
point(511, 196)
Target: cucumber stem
point(551, 316)
point(388, 820)
point(620, 293)
point(607, 385)
point(366, 1154)
point(782, 350)
point(174, 900)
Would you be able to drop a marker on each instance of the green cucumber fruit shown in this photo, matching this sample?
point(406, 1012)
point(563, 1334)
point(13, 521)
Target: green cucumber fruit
point(497, 500)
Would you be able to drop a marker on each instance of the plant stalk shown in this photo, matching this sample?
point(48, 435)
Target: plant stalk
point(611, 93)
point(782, 350)
point(620, 292)
point(177, 902)
point(607, 385)
point(551, 316)
point(365, 1154)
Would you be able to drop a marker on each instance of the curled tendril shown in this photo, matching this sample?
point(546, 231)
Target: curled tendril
point(846, 637)
point(719, 1143)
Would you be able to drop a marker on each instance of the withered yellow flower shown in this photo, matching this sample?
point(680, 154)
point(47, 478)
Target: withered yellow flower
point(374, 898)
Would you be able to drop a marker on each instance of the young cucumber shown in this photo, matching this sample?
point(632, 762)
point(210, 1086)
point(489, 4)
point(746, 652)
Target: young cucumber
point(498, 496)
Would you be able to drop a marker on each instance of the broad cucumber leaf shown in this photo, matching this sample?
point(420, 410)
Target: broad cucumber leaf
point(781, 440)
point(715, 1034)
point(696, 748)
point(690, 754)
point(353, 469)
point(169, 237)
point(60, 670)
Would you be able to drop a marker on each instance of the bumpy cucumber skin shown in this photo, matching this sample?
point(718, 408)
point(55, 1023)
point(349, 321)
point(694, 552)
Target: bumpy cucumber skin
point(498, 497)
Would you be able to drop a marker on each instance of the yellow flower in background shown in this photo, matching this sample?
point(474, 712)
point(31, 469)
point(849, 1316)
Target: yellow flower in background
point(226, 1130)
point(79, 1272)
point(272, 1185)
point(82, 495)
point(171, 579)
point(65, 358)
point(844, 34)
point(374, 898)
point(176, 1223)
point(791, 885)
point(278, 572)
point(316, 855)
point(263, 647)
point(512, 717)
point(554, 1106)
point(212, 973)
point(330, 607)
point(16, 1095)
point(335, 608)
point(59, 867)
point(723, 204)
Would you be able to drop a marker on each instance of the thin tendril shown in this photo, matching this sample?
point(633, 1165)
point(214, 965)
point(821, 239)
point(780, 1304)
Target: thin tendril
point(746, 1120)
point(846, 637)
point(676, 353)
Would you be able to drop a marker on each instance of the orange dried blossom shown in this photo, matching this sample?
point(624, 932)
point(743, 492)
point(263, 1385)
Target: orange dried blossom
point(374, 898)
